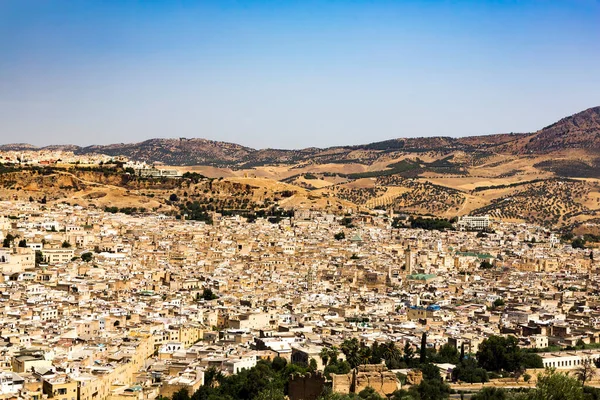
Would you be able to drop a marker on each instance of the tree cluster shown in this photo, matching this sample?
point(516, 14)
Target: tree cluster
point(550, 386)
point(430, 224)
point(498, 354)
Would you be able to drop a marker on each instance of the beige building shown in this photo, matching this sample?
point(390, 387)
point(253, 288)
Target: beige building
point(58, 256)
point(60, 388)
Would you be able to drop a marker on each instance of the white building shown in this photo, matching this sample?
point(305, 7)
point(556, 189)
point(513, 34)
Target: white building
point(10, 382)
point(478, 223)
point(235, 365)
point(568, 359)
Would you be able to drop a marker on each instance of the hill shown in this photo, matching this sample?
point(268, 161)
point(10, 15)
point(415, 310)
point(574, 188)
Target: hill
point(549, 177)
point(578, 131)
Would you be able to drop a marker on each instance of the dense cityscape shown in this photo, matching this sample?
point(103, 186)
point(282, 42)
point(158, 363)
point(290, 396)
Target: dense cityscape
point(299, 200)
point(104, 305)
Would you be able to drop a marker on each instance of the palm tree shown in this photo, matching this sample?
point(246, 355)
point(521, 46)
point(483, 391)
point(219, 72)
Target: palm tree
point(351, 348)
point(324, 355)
point(390, 352)
point(364, 354)
point(334, 353)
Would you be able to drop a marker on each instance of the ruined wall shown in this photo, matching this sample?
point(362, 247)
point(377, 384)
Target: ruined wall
point(343, 383)
point(306, 387)
point(376, 376)
point(414, 377)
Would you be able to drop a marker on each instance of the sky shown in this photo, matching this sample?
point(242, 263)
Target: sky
point(291, 74)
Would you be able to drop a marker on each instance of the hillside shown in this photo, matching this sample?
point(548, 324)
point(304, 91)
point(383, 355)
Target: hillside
point(579, 131)
point(175, 151)
point(549, 177)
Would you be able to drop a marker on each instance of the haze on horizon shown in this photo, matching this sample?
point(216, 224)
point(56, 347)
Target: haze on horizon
point(292, 74)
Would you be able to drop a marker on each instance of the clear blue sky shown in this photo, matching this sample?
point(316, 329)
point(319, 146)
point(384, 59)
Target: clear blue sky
point(291, 74)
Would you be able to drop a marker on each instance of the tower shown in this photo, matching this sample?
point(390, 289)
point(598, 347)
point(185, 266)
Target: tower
point(309, 279)
point(408, 261)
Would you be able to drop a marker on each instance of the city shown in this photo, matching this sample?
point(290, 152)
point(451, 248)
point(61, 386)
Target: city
point(103, 305)
point(299, 200)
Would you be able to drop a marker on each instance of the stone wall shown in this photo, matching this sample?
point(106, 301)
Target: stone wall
point(376, 376)
point(343, 383)
point(414, 377)
point(306, 387)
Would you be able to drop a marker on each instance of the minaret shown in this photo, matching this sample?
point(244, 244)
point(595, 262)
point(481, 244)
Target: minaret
point(309, 279)
point(408, 262)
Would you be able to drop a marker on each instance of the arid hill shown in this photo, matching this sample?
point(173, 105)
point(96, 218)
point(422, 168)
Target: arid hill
point(550, 177)
point(579, 131)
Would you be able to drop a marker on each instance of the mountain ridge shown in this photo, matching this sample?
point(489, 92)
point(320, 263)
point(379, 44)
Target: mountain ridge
point(578, 131)
point(550, 177)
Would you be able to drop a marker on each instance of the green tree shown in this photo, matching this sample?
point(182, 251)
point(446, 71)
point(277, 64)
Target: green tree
point(578, 243)
point(432, 387)
point(491, 393)
point(468, 371)
point(339, 236)
point(351, 349)
point(212, 375)
point(181, 394)
point(87, 257)
point(556, 386)
point(431, 224)
point(401, 395)
point(324, 354)
point(369, 393)
point(334, 353)
point(498, 303)
point(448, 354)
point(365, 354)
point(423, 349)
point(430, 372)
point(391, 354)
point(22, 243)
point(530, 360)
point(498, 353)
point(337, 367)
point(208, 295)
point(279, 363)
point(336, 396)
point(39, 257)
point(270, 394)
point(8, 240)
point(408, 354)
point(66, 245)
